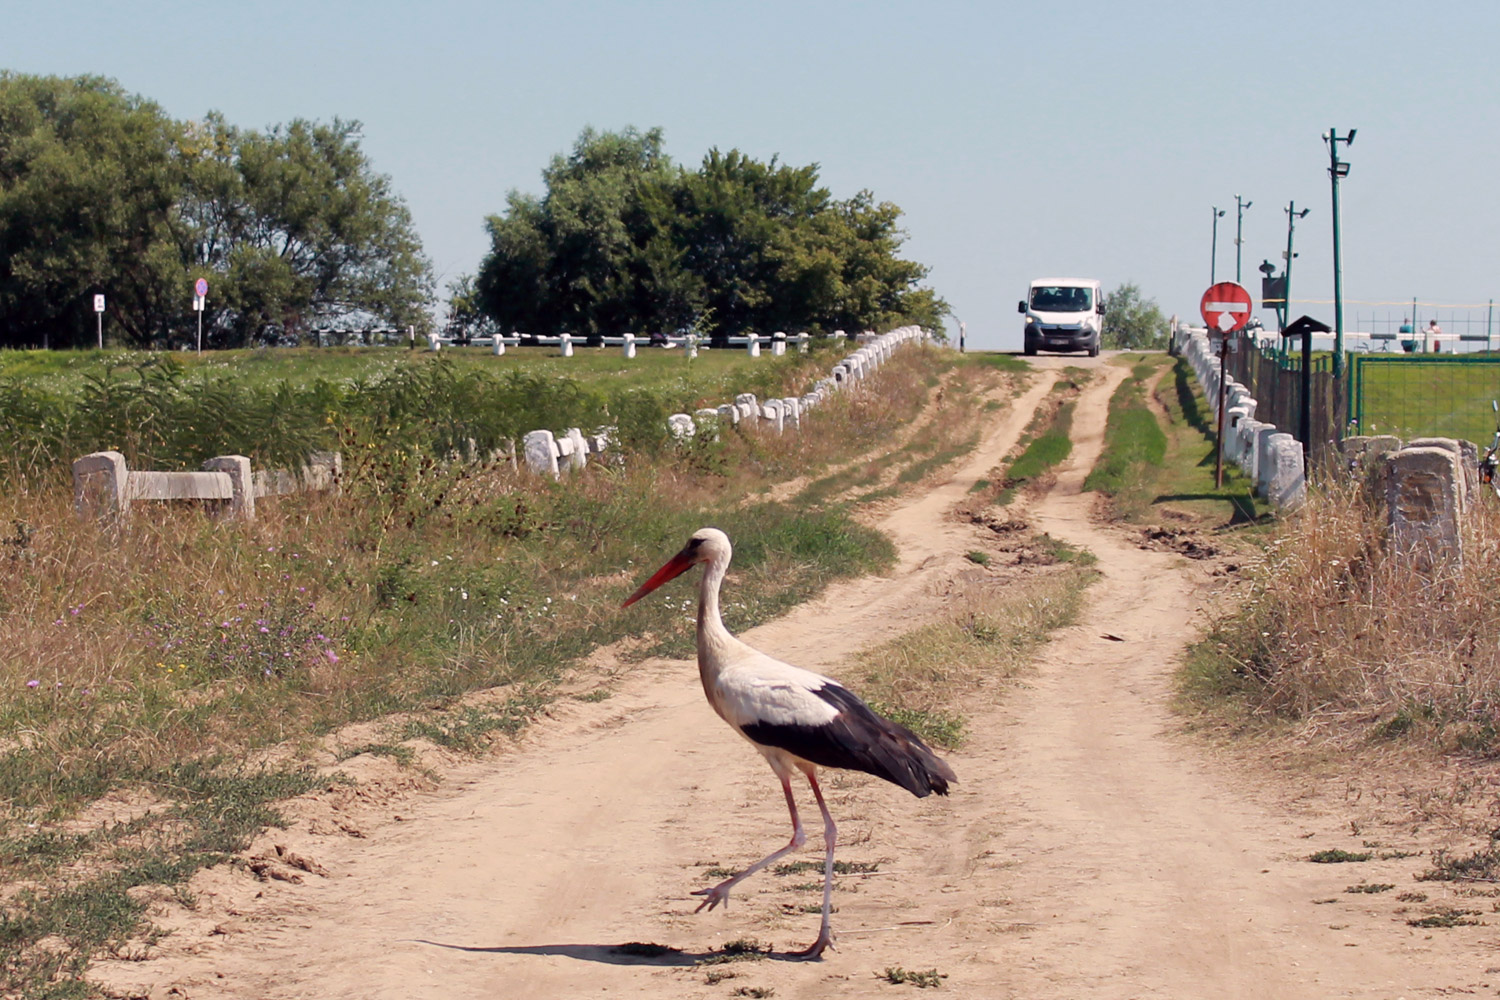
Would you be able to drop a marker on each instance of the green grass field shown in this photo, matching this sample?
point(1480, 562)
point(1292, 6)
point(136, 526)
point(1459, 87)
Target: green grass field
point(1426, 395)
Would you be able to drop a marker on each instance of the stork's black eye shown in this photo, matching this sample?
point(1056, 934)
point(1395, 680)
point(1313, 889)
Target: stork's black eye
point(693, 543)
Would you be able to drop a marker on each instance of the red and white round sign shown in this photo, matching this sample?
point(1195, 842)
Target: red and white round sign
point(1226, 306)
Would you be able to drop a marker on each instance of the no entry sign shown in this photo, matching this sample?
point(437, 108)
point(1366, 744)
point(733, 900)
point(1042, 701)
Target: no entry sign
point(1226, 306)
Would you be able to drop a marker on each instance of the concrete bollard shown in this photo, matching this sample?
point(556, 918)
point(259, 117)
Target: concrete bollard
point(541, 453)
point(629, 345)
point(100, 484)
point(566, 345)
point(729, 414)
point(752, 345)
point(498, 346)
point(1287, 488)
point(1468, 464)
point(774, 412)
point(242, 485)
point(692, 347)
point(804, 343)
point(434, 343)
point(792, 408)
point(707, 420)
point(1423, 501)
point(778, 344)
point(681, 426)
point(1268, 442)
point(579, 456)
point(748, 408)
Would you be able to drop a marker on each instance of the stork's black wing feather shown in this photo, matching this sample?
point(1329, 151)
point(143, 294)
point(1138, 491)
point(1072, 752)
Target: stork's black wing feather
point(857, 739)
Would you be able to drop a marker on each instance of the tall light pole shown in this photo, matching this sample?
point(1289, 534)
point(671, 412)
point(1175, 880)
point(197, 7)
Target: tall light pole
point(1337, 169)
point(1213, 268)
point(1292, 215)
point(1239, 226)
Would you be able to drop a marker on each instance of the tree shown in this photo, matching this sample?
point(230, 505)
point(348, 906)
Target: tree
point(100, 191)
point(1131, 322)
point(88, 179)
point(625, 241)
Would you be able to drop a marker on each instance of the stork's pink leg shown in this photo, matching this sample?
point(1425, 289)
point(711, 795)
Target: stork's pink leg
point(720, 893)
point(830, 838)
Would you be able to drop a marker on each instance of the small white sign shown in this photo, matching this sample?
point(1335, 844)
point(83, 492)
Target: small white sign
point(198, 303)
point(98, 303)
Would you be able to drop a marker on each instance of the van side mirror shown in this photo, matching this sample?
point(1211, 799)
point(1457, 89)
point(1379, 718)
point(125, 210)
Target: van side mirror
point(1100, 308)
point(1020, 307)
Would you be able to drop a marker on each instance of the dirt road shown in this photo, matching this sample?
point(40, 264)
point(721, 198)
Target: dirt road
point(1089, 850)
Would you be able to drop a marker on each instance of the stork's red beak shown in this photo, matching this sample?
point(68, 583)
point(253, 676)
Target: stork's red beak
point(675, 567)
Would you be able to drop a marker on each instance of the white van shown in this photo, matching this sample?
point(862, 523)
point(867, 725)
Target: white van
point(1063, 314)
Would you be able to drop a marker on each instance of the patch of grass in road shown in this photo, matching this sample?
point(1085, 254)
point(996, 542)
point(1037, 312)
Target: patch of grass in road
point(738, 950)
point(1370, 887)
point(1448, 916)
point(839, 867)
point(1135, 446)
point(1050, 446)
point(922, 679)
point(1338, 856)
point(896, 976)
point(1482, 865)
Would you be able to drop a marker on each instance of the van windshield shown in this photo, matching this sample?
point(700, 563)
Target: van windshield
point(1055, 298)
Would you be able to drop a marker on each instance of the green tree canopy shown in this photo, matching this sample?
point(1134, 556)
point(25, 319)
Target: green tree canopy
point(100, 191)
point(623, 240)
point(1131, 322)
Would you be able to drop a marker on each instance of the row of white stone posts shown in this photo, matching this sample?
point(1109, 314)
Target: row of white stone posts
point(548, 453)
point(628, 343)
point(1271, 457)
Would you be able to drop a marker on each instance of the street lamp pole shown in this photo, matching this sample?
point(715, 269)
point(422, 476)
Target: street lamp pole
point(1239, 225)
point(1213, 268)
point(1337, 169)
point(1292, 215)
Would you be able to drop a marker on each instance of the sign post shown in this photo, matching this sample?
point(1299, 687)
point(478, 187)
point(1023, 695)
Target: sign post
point(200, 293)
point(99, 318)
point(1225, 307)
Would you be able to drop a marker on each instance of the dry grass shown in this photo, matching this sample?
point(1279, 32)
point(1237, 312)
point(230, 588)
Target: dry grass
point(1346, 639)
point(990, 631)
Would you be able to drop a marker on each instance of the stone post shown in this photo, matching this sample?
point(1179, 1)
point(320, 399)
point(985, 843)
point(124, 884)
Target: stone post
point(1423, 502)
point(498, 345)
point(541, 453)
point(580, 456)
point(242, 503)
point(752, 344)
point(566, 343)
point(629, 345)
point(100, 484)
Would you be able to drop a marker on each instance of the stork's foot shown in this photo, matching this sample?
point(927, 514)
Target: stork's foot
point(816, 949)
point(718, 894)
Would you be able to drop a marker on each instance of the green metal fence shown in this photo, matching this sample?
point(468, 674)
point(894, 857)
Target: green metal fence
point(1424, 395)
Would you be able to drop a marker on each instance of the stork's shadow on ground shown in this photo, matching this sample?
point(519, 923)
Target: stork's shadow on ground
point(630, 953)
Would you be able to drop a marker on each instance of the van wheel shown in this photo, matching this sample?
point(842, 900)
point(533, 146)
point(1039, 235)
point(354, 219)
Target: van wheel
point(1094, 351)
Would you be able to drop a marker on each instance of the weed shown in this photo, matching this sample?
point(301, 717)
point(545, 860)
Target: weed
point(839, 867)
point(644, 949)
point(895, 975)
point(1447, 917)
point(1482, 865)
point(403, 755)
point(739, 950)
point(754, 991)
point(978, 558)
point(714, 977)
point(596, 695)
point(1412, 897)
point(1371, 887)
point(1338, 856)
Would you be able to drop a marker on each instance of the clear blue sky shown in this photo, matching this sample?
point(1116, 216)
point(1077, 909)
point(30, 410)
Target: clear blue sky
point(1088, 138)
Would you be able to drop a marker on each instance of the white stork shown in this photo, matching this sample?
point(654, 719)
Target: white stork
point(797, 719)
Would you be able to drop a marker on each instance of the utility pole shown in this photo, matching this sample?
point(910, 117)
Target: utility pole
point(1239, 225)
point(1338, 169)
point(1213, 268)
point(1292, 215)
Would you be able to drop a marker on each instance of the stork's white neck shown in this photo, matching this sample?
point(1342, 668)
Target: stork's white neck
point(714, 640)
